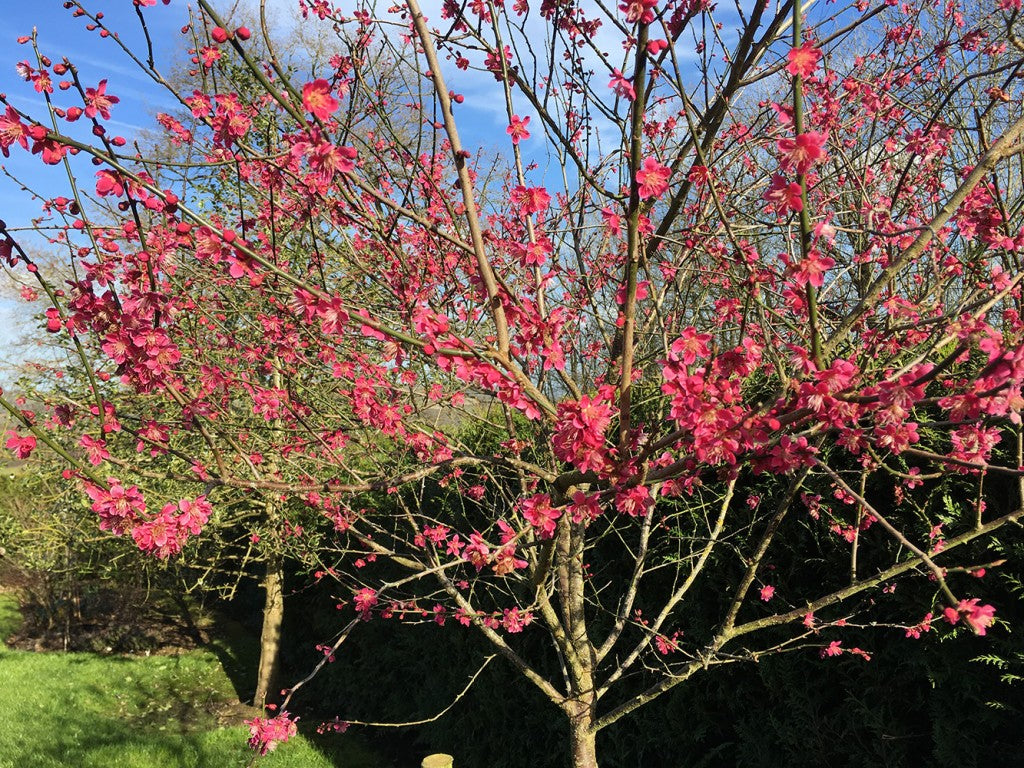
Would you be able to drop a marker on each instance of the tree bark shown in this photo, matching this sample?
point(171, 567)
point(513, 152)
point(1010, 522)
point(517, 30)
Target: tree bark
point(270, 636)
point(584, 742)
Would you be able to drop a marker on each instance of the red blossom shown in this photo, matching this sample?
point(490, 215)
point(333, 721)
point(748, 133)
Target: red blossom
point(539, 513)
point(811, 270)
point(652, 178)
point(803, 152)
point(785, 196)
point(98, 101)
point(530, 199)
point(978, 617)
point(638, 11)
point(365, 600)
point(803, 61)
point(517, 128)
point(265, 733)
point(317, 99)
point(622, 85)
point(12, 131)
point(21, 445)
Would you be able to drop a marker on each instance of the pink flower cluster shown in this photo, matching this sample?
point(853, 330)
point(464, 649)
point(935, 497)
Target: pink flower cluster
point(538, 512)
point(265, 733)
point(165, 534)
point(580, 436)
point(978, 617)
point(119, 508)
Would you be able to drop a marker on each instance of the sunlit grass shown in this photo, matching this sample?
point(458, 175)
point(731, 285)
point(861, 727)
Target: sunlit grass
point(78, 710)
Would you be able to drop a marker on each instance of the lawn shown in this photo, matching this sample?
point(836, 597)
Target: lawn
point(80, 710)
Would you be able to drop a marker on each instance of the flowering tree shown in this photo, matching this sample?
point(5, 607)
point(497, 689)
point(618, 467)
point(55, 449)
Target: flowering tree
point(677, 382)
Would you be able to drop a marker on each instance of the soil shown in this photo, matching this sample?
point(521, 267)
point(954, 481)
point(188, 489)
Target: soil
point(147, 631)
point(97, 618)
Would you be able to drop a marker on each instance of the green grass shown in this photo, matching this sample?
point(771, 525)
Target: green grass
point(10, 617)
point(78, 710)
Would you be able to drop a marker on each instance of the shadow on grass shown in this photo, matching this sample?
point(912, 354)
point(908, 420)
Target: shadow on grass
point(237, 649)
point(238, 652)
point(10, 615)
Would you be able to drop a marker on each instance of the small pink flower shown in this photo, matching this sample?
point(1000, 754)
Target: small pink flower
point(365, 600)
point(784, 196)
point(317, 98)
point(98, 101)
point(811, 271)
point(622, 85)
point(539, 513)
point(832, 649)
point(639, 10)
point(767, 592)
point(22, 446)
point(517, 129)
point(979, 617)
point(652, 178)
point(803, 61)
point(803, 152)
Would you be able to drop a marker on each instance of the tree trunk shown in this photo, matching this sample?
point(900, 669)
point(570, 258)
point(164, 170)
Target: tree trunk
point(582, 737)
point(270, 637)
point(584, 743)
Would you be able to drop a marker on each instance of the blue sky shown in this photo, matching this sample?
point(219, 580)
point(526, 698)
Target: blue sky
point(482, 116)
point(61, 35)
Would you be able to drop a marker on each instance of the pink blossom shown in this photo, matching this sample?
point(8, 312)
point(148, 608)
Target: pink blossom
point(635, 501)
point(539, 513)
point(317, 99)
point(118, 507)
point(95, 450)
point(22, 446)
point(365, 599)
point(803, 152)
point(832, 649)
point(691, 345)
point(622, 85)
point(612, 221)
point(652, 178)
point(585, 507)
point(265, 733)
point(476, 551)
point(924, 626)
point(784, 196)
point(811, 271)
point(767, 592)
point(580, 434)
point(109, 183)
point(803, 61)
point(98, 101)
point(514, 621)
point(641, 11)
point(530, 199)
point(497, 63)
point(12, 131)
point(979, 617)
point(517, 128)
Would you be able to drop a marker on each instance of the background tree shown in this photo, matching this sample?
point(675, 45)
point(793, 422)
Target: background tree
point(743, 363)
